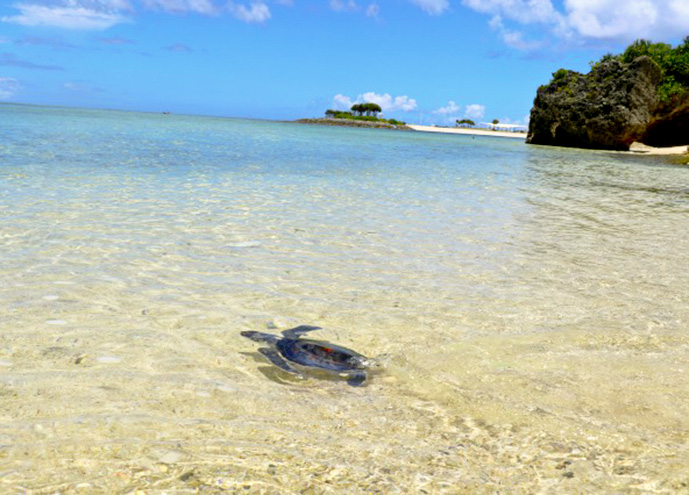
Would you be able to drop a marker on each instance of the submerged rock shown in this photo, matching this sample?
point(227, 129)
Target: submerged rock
point(608, 108)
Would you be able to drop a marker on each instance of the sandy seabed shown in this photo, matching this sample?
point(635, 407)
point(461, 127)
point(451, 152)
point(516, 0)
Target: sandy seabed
point(529, 306)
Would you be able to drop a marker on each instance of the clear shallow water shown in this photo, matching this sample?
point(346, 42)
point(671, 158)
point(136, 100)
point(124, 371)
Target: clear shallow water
point(530, 307)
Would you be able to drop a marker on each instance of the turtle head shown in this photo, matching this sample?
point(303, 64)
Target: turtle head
point(364, 363)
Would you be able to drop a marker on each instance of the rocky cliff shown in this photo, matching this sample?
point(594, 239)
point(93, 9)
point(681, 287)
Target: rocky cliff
point(608, 108)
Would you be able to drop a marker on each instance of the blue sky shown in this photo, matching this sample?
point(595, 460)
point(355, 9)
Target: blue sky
point(423, 61)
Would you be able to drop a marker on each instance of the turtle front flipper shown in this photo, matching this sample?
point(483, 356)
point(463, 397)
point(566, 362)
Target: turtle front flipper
point(275, 358)
point(260, 337)
point(356, 379)
point(296, 332)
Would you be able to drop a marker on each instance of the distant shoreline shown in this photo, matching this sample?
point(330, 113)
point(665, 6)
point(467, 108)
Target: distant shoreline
point(634, 149)
point(412, 127)
point(354, 123)
point(467, 131)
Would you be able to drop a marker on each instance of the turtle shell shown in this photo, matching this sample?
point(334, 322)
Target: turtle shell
point(321, 355)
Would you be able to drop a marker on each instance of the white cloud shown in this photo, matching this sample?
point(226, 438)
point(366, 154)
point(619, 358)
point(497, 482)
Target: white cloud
point(79, 87)
point(108, 4)
point(95, 16)
point(523, 11)
point(450, 109)
point(344, 6)
point(351, 6)
point(205, 7)
point(258, 12)
point(659, 20)
point(432, 7)
point(582, 20)
point(373, 10)
point(116, 40)
point(74, 86)
point(386, 102)
point(475, 111)
point(179, 48)
point(448, 114)
point(613, 19)
point(510, 37)
point(8, 88)
point(103, 14)
point(389, 103)
point(681, 9)
point(342, 102)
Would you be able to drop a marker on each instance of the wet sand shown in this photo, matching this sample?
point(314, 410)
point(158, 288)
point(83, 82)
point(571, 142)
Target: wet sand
point(640, 148)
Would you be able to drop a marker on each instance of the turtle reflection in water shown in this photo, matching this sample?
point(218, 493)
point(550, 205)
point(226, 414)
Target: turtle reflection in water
point(290, 349)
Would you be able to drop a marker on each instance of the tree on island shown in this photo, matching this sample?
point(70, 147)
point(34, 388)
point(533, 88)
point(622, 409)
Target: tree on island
point(367, 109)
point(466, 122)
point(361, 111)
point(374, 109)
point(496, 121)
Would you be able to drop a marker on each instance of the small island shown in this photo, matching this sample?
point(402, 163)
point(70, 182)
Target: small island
point(359, 115)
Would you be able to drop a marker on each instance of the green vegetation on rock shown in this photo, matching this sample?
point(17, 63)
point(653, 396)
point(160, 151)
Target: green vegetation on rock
point(641, 94)
point(673, 62)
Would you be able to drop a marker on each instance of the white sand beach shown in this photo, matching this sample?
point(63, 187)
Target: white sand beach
point(643, 149)
point(466, 131)
point(635, 148)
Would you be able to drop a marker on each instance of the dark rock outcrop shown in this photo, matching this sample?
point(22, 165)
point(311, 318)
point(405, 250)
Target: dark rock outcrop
point(669, 126)
point(608, 108)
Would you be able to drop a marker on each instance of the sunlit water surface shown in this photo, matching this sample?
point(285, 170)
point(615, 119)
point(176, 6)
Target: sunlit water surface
point(530, 307)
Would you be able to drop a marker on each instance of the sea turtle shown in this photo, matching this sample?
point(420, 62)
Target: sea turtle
point(290, 349)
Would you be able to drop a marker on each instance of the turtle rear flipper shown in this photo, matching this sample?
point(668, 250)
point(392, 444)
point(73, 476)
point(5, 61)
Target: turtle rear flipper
point(296, 332)
point(356, 379)
point(275, 358)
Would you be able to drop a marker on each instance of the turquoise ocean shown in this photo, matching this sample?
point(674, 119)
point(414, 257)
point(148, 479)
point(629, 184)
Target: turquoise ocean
point(529, 307)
